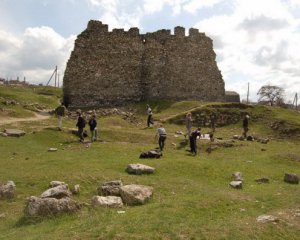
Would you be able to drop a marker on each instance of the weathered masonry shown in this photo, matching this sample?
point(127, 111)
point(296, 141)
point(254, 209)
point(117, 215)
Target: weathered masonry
point(111, 68)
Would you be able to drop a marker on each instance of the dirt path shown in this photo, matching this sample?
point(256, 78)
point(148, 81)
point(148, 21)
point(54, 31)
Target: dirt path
point(37, 117)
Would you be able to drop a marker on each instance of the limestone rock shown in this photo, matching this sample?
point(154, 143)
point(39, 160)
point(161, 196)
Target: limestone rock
point(3, 134)
point(136, 194)
point(14, 132)
point(236, 137)
point(52, 149)
point(58, 192)
point(236, 184)
point(76, 189)
point(139, 169)
point(237, 176)
point(36, 206)
point(266, 218)
point(56, 183)
point(8, 190)
point(291, 178)
point(109, 201)
point(262, 180)
point(250, 138)
point(263, 140)
point(111, 188)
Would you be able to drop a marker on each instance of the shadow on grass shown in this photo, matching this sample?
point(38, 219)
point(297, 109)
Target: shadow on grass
point(26, 221)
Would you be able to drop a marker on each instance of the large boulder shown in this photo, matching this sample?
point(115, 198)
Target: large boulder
point(8, 190)
point(14, 132)
point(139, 169)
point(136, 194)
point(291, 178)
point(111, 188)
point(58, 192)
point(36, 206)
point(109, 201)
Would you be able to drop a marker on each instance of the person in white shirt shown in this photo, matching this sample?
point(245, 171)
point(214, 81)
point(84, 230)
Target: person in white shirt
point(161, 132)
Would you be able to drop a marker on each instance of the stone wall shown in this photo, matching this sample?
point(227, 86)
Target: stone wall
point(111, 68)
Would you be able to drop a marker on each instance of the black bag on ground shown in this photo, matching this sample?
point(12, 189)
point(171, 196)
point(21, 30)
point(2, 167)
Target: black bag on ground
point(151, 154)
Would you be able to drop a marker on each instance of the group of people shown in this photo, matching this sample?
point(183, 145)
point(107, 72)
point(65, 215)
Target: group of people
point(161, 131)
point(81, 123)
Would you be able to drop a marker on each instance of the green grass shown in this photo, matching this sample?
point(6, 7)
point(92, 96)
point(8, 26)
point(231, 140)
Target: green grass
point(192, 199)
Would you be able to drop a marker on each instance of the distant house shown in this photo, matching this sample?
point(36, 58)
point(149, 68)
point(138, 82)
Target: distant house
point(231, 96)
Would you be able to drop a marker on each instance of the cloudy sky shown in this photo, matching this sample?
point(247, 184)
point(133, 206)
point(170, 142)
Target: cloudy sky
point(256, 41)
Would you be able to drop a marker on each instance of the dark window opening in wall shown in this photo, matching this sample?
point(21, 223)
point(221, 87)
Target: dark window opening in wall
point(144, 40)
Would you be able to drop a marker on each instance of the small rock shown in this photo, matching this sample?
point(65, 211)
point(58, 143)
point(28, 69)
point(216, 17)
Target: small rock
point(236, 184)
point(111, 188)
point(179, 132)
point(36, 206)
point(56, 183)
point(262, 180)
point(250, 138)
point(174, 145)
point(263, 149)
point(14, 132)
point(237, 176)
point(52, 149)
point(109, 201)
point(139, 169)
point(211, 148)
point(2, 215)
point(136, 194)
point(291, 178)
point(76, 189)
point(8, 190)
point(266, 218)
point(236, 137)
point(263, 140)
point(58, 192)
point(3, 134)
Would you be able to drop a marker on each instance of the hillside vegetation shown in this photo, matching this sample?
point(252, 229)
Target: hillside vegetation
point(192, 198)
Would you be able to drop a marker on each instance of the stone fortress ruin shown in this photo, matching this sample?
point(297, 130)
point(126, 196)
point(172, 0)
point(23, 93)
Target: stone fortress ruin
point(111, 68)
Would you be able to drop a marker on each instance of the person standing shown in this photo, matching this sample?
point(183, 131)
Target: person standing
point(213, 119)
point(80, 125)
point(93, 127)
point(188, 124)
point(245, 125)
point(161, 132)
point(149, 113)
point(193, 140)
point(60, 112)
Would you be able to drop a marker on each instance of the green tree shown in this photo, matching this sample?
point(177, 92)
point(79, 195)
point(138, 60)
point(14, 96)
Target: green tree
point(272, 94)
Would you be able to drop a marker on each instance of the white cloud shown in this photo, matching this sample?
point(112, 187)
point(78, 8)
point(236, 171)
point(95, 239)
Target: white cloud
point(34, 54)
point(194, 5)
point(258, 45)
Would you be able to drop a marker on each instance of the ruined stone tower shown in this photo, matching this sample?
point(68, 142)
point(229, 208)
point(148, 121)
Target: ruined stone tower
point(111, 68)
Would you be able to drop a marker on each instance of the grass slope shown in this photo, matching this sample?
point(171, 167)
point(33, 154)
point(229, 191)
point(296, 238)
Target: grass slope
point(192, 199)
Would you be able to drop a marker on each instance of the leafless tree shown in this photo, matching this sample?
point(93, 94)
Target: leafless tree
point(272, 94)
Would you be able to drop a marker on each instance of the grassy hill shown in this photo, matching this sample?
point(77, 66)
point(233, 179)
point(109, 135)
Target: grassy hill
point(192, 198)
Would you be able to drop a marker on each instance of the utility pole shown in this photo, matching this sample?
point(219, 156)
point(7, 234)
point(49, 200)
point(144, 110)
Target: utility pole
point(295, 102)
point(248, 95)
point(54, 73)
point(55, 76)
point(58, 80)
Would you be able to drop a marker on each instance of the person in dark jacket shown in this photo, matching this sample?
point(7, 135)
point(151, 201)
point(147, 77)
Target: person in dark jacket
point(245, 125)
point(193, 140)
point(80, 125)
point(93, 128)
point(60, 112)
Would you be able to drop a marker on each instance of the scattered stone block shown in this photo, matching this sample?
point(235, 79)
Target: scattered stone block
point(56, 183)
point(76, 189)
point(139, 169)
point(179, 133)
point(3, 134)
point(36, 206)
point(262, 180)
point(108, 201)
point(58, 192)
point(136, 194)
point(14, 132)
point(263, 140)
point(266, 218)
point(111, 188)
point(236, 184)
point(8, 190)
point(236, 137)
point(237, 176)
point(291, 178)
point(52, 149)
